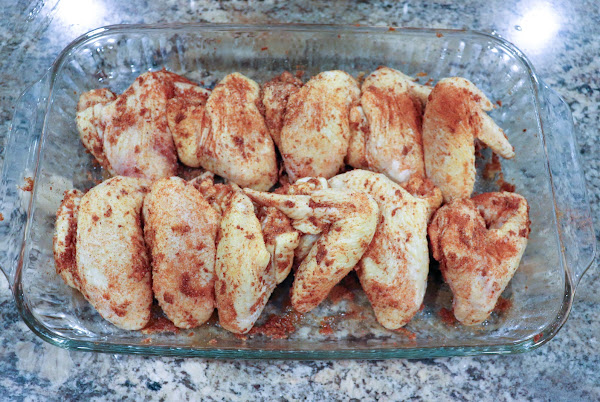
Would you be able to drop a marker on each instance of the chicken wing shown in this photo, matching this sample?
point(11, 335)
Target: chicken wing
point(281, 239)
point(479, 243)
point(275, 95)
point(454, 117)
point(185, 113)
point(137, 141)
point(393, 143)
point(238, 145)
point(65, 237)
point(245, 276)
point(393, 271)
point(180, 229)
point(316, 127)
point(351, 218)
point(91, 124)
point(112, 260)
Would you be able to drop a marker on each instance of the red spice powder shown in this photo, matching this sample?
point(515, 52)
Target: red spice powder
point(326, 325)
point(447, 316)
point(28, 184)
point(410, 335)
point(159, 324)
point(339, 293)
point(502, 305)
point(278, 327)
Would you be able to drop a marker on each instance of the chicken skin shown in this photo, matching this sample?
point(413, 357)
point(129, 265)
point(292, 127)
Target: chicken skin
point(111, 257)
point(275, 96)
point(454, 117)
point(386, 136)
point(65, 238)
point(316, 127)
point(351, 219)
point(479, 243)
point(180, 229)
point(393, 271)
point(129, 135)
point(245, 276)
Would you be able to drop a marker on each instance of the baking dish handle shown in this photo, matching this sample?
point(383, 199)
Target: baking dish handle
point(574, 217)
point(20, 158)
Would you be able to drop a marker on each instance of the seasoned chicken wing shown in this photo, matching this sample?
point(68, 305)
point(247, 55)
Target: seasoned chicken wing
point(65, 237)
point(238, 145)
point(351, 218)
point(186, 113)
point(245, 276)
point(133, 130)
point(479, 243)
point(180, 229)
point(454, 117)
point(111, 255)
point(281, 239)
point(392, 144)
point(91, 124)
point(275, 95)
point(316, 127)
point(393, 271)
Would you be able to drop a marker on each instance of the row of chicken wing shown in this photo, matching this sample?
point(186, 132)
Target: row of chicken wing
point(216, 245)
point(319, 127)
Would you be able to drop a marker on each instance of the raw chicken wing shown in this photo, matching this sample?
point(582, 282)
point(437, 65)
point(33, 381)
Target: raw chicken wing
point(133, 128)
point(112, 260)
point(65, 237)
point(351, 219)
point(238, 145)
point(316, 127)
point(454, 117)
point(185, 113)
point(91, 124)
point(479, 243)
point(392, 143)
point(180, 229)
point(275, 95)
point(245, 276)
point(393, 271)
point(281, 239)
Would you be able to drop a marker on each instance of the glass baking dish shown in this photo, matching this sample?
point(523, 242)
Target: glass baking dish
point(43, 145)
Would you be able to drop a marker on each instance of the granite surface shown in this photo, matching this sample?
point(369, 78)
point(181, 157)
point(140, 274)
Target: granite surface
point(560, 37)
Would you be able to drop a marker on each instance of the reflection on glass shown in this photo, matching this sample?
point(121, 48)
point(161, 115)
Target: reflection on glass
point(81, 12)
point(537, 27)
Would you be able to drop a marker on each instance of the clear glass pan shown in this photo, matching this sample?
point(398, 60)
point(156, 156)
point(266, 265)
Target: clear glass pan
point(43, 144)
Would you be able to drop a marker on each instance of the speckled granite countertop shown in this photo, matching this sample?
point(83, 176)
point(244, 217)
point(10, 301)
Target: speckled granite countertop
point(560, 38)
